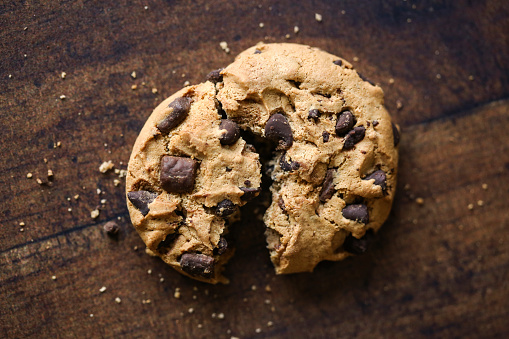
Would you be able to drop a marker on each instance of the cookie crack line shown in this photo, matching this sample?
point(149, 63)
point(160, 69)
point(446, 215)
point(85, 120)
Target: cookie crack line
point(333, 183)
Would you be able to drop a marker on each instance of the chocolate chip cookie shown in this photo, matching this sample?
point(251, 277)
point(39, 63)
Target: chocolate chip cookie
point(188, 173)
point(334, 172)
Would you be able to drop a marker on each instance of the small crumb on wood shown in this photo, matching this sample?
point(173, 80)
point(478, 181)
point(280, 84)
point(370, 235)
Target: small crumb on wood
point(29, 175)
point(63, 97)
point(50, 173)
point(53, 277)
point(220, 316)
point(91, 315)
point(484, 186)
point(268, 288)
point(133, 75)
point(146, 301)
point(480, 203)
point(270, 323)
point(253, 287)
point(76, 197)
point(94, 214)
point(224, 46)
point(116, 182)
point(318, 17)
point(287, 36)
point(190, 310)
point(176, 294)
point(391, 81)
point(102, 289)
point(149, 271)
point(419, 201)
point(470, 206)
point(258, 330)
point(22, 223)
point(39, 181)
point(154, 90)
point(118, 300)
point(134, 87)
point(98, 191)
point(63, 75)
point(187, 83)
point(296, 29)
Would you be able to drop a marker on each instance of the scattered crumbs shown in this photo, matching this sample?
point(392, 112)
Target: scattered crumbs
point(91, 315)
point(253, 287)
point(419, 201)
point(118, 300)
point(439, 76)
point(146, 301)
point(135, 248)
point(471, 77)
point(62, 97)
point(296, 29)
point(68, 199)
point(391, 81)
point(103, 201)
point(190, 310)
point(213, 315)
point(287, 36)
point(146, 7)
point(59, 143)
point(22, 229)
point(50, 173)
point(102, 289)
point(224, 46)
point(273, 309)
point(220, 316)
point(94, 214)
point(199, 325)
point(29, 175)
point(399, 104)
point(409, 20)
point(22, 223)
point(267, 301)
point(270, 323)
point(194, 297)
point(133, 75)
point(116, 182)
point(10, 76)
point(318, 17)
point(161, 279)
point(484, 186)
point(134, 87)
point(470, 206)
point(177, 293)
point(154, 90)
point(183, 75)
point(187, 83)
point(98, 191)
point(25, 28)
point(258, 330)
point(355, 58)
point(63, 75)
point(480, 203)
point(76, 197)
point(69, 209)
point(268, 289)
point(53, 277)
point(45, 160)
point(39, 181)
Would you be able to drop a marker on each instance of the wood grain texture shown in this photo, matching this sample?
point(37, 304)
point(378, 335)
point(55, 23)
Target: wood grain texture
point(438, 269)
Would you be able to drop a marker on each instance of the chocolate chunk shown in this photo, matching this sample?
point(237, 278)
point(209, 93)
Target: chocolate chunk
point(232, 133)
point(141, 200)
point(178, 174)
point(379, 177)
point(357, 212)
point(225, 208)
point(257, 51)
point(395, 132)
point(249, 193)
point(328, 188)
point(278, 129)
point(247, 183)
point(314, 114)
point(181, 107)
point(228, 169)
point(111, 228)
point(366, 79)
point(325, 136)
point(222, 246)
point(353, 137)
point(288, 166)
point(197, 265)
point(359, 246)
point(375, 123)
point(165, 245)
point(338, 62)
point(215, 76)
point(345, 122)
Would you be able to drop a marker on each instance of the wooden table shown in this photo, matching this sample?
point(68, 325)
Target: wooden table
point(438, 269)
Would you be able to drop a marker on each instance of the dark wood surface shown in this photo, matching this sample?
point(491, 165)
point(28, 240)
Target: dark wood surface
point(438, 269)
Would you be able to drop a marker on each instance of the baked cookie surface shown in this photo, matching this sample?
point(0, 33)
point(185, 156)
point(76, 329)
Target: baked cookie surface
point(188, 172)
point(334, 174)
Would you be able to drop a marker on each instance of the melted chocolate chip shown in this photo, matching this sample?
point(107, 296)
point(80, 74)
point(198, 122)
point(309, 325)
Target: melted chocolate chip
point(357, 212)
point(353, 137)
point(178, 174)
point(141, 200)
point(225, 208)
point(375, 123)
point(325, 136)
point(338, 62)
point(181, 107)
point(200, 265)
point(165, 245)
point(232, 133)
point(247, 183)
point(379, 177)
point(222, 246)
point(111, 228)
point(314, 114)
point(278, 129)
point(328, 188)
point(215, 76)
point(288, 166)
point(249, 193)
point(345, 122)
point(395, 132)
point(359, 246)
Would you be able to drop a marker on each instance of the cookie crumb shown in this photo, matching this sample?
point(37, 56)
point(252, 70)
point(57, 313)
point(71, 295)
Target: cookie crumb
point(103, 201)
point(135, 248)
point(76, 197)
point(22, 229)
point(270, 323)
point(63, 75)
point(318, 17)
point(94, 214)
point(439, 76)
point(154, 90)
point(118, 300)
point(261, 24)
point(146, 301)
point(98, 191)
point(133, 75)
point(187, 83)
point(480, 203)
point(22, 223)
point(253, 287)
point(267, 301)
point(134, 87)
point(53, 277)
point(29, 175)
point(258, 330)
point(343, 12)
point(39, 181)
point(161, 279)
point(391, 81)
point(149, 271)
point(408, 20)
point(471, 77)
point(116, 182)
point(190, 310)
point(63, 97)
point(399, 104)
point(69, 209)
point(224, 46)
point(419, 201)
point(102, 289)
point(296, 29)
point(91, 315)
point(50, 173)
point(470, 206)
point(176, 294)
point(484, 186)
point(220, 316)
point(199, 325)
point(268, 289)
point(287, 36)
